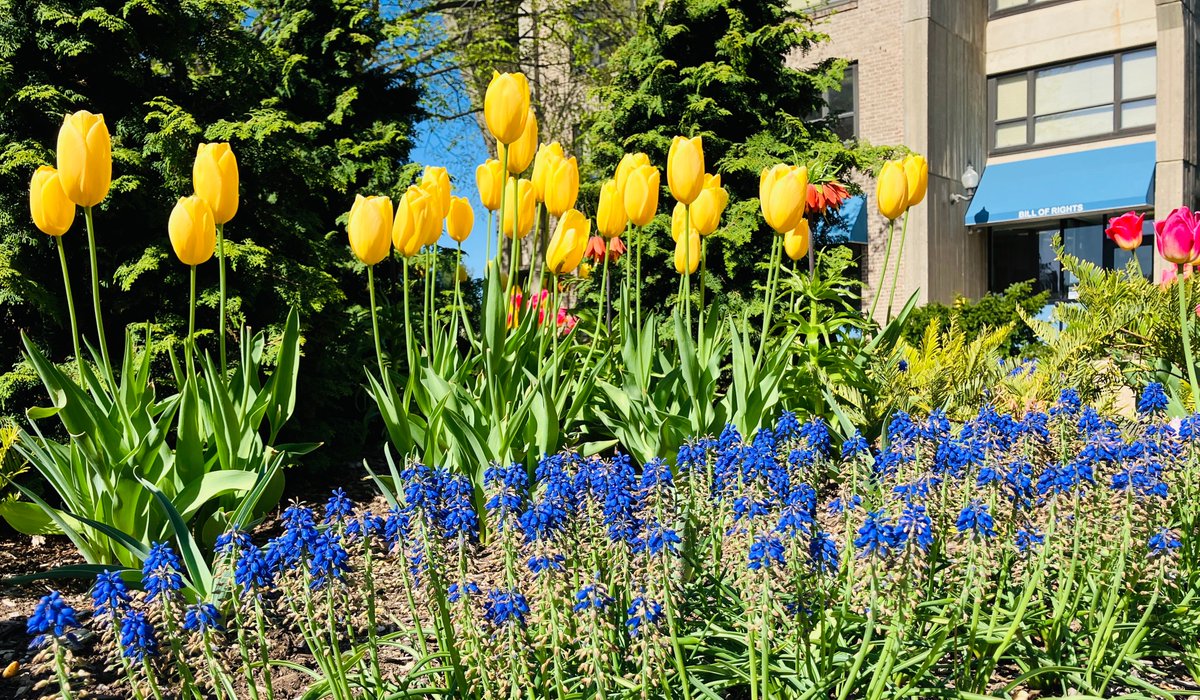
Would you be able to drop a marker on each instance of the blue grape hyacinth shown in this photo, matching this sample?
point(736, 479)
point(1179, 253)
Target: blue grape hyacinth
point(52, 618)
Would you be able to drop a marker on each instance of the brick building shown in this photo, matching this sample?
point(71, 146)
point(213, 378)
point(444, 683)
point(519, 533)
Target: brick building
point(1069, 110)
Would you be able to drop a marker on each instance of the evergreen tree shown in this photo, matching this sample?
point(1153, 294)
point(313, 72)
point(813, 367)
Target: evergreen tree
point(719, 69)
point(313, 117)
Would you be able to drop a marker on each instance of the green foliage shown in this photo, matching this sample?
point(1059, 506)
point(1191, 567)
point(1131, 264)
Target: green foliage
point(11, 464)
point(716, 69)
point(314, 117)
point(979, 317)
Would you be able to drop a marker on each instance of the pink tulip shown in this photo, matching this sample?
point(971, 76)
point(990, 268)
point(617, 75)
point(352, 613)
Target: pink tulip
point(1126, 230)
point(1177, 236)
point(566, 322)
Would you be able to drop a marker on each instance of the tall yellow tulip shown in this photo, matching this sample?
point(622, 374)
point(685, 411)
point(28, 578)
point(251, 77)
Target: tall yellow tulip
point(562, 185)
point(687, 253)
point(547, 155)
point(520, 221)
point(436, 181)
point(431, 229)
point(567, 245)
point(489, 179)
point(782, 190)
point(193, 230)
point(52, 212)
point(610, 214)
point(795, 242)
point(215, 179)
point(85, 158)
point(685, 168)
point(413, 212)
point(916, 176)
point(641, 194)
point(891, 190)
point(709, 205)
point(629, 163)
point(370, 228)
point(460, 220)
point(522, 151)
point(506, 106)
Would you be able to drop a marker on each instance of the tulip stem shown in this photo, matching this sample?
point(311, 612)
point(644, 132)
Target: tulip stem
point(91, 232)
point(899, 260)
point(375, 322)
point(489, 236)
point(700, 320)
point(408, 351)
point(62, 258)
point(189, 346)
point(458, 310)
point(221, 286)
point(638, 278)
point(603, 294)
point(1185, 335)
point(887, 258)
point(687, 266)
point(772, 282)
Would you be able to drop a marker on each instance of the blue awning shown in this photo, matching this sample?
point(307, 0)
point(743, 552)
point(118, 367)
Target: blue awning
point(847, 225)
point(1110, 179)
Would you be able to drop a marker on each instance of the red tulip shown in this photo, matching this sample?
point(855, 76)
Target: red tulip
point(1176, 236)
point(1126, 230)
point(566, 322)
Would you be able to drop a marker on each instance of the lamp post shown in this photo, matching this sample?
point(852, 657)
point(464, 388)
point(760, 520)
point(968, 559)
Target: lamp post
point(970, 181)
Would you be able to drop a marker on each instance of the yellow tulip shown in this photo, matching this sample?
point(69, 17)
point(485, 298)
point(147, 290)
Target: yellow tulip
point(685, 168)
point(629, 163)
point(85, 158)
point(436, 181)
point(215, 179)
point(193, 230)
point(709, 205)
point(52, 212)
point(522, 217)
point(641, 193)
point(521, 152)
point(489, 179)
point(891, 190)
point(687, 254)
point(916, 177)
point(547, 155)
point(431, 229)
point(678, 220)
point(562, 185)
point(795, 242)
point(610, 214)
point(506, 106)
point(782, 190)
point(570, 239)
point(461, 219)
point(463, 275)
point(409, 229)
point(370, 228)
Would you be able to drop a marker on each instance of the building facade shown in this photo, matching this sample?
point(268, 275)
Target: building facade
point(1070, 112)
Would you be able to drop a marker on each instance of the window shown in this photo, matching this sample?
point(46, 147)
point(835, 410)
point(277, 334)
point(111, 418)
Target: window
point(842, 105)
point(1092, 98)
point(1004, 7)
point(1018, 255)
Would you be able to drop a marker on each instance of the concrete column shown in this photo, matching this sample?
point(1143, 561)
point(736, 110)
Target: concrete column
point(1175, 179)
point(945, 119)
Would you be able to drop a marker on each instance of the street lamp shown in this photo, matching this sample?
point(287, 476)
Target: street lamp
point(970, 180)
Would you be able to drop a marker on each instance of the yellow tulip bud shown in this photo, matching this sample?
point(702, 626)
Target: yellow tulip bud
point(916, 176)
point(436, 181)
point(585, 271)
point(782, 191)
point(489, 179)
point(193, 230)
point(679, 217)
point(52, 212)
point(629, 163)
point(85, 158)
point(460, 219)
point(215, 179)
point(641, 194)
point(687, 254)
point(891, 190)
point(547, 155)
point(795, 242)
point(709, 205)
point(521, 152)
point(570, 239)
point(506, 106)
point(518, 220)
point(462, 274)
point(370, 228)
point(610, 214)
point(411, 225)
point(562, 185)
point(685, 168)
